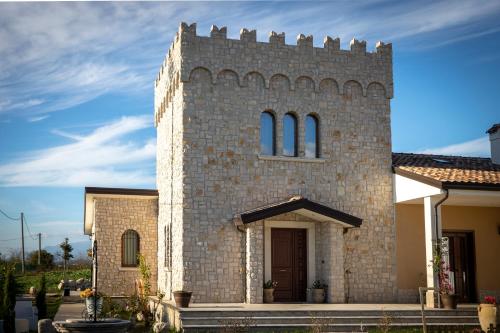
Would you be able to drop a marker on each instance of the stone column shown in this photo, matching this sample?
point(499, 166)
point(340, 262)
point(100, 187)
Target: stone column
point(255, 262)
point(333, 255)
point(431, 235)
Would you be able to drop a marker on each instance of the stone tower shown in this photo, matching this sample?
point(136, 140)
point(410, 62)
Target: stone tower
point(209, 96)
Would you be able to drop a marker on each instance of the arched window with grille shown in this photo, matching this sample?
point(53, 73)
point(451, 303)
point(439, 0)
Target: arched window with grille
point(290, 135)
point(267, 133)
point(312, 136)
point(130, 248)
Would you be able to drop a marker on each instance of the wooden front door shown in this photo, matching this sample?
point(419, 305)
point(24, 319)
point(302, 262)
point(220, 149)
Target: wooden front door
point(289, 264)
point(462, 263)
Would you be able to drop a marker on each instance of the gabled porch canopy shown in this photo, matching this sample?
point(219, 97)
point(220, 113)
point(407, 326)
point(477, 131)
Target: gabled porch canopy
point(304, 207)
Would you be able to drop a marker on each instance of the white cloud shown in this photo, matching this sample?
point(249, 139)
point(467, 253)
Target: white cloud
point(100, 158)
point(59, 55)
point(37, 118)
point(476, 148)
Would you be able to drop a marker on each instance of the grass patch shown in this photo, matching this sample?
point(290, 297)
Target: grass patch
point(53, 278)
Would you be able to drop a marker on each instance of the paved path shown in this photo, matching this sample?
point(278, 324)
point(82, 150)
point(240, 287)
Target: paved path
point(69, 310)
point(71, 307)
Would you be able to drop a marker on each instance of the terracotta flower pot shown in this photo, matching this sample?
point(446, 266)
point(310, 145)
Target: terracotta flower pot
point(449, 302)
point(318, 295)
point(182, 298)
point(268, 295)
point(487, 314)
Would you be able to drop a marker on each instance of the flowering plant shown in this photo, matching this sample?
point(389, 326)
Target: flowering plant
point(89, 293)
point(490, 300)
point(442, 268)
point(270, 284)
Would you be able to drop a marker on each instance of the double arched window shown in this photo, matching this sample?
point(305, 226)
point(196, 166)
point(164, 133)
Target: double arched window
point(130, 248)
point(290, 135)
point(267, 133)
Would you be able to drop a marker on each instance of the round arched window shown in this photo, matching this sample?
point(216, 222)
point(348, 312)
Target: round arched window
point(130, 248)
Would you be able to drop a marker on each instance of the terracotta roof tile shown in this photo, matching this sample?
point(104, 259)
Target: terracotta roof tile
point(448, 169)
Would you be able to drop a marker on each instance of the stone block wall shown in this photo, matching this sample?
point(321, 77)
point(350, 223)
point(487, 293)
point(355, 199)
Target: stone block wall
point(113, 216)
point(224, 85)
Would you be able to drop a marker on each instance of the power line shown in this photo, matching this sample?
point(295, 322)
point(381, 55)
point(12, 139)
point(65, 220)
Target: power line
point(27, 227)
point(7, 216)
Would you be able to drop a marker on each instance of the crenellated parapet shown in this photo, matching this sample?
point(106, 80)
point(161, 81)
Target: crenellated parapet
point(246, 56)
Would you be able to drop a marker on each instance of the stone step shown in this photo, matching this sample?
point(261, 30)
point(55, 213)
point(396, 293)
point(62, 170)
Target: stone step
point(285, 327)
point(331, 313)
point(327, 319)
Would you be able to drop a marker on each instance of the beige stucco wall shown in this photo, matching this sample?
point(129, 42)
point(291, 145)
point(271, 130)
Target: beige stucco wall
point(411, 262)
point(113, 216)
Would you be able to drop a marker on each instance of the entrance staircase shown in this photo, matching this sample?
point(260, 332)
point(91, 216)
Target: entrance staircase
point(339, 320)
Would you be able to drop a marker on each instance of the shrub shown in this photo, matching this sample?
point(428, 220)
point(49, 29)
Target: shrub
point(9, 301)
point(41, 301)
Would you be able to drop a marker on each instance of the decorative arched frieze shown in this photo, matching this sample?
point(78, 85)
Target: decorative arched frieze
point(200, 74)
point(254, 80)
point(280, 83)
point(329, 87)
point(353, 89)
point(304, 84)
point(376, 90)
point(228, 78)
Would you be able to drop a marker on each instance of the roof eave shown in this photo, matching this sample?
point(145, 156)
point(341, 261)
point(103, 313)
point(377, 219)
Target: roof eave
point(446, 185)
point(303, 203)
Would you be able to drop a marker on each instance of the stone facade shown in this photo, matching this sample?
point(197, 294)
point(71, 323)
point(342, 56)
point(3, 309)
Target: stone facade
point(209, 96)
point(113, 215)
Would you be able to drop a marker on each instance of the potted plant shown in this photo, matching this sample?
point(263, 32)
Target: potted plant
point(487, 313)
point(269, 291)
point(93, 302)
point(182, 298)
point(318, 292)
point(446, 292)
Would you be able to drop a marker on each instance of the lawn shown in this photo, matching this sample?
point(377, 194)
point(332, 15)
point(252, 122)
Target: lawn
point(52, 277)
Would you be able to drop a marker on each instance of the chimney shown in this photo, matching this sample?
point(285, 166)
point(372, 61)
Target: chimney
point(494, 133)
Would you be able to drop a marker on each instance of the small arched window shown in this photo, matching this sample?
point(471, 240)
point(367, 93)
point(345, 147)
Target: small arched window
point(290, 135)
point(312, 137)
point(267, 133)
point(130, 248)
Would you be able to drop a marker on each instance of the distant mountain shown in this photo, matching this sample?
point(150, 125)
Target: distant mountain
point(79, 248)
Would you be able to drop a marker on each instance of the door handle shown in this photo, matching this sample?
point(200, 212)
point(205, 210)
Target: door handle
point(282, 270)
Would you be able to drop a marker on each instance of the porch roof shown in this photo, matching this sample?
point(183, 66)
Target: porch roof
point(448, 172)
point(302, 206)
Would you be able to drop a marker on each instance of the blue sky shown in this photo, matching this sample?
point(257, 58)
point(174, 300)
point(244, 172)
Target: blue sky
point(76, 87)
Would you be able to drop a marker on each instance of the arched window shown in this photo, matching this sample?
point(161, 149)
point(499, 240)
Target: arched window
point(267, 133)
point(312, 137)
point(130, 248)
point(290, 135)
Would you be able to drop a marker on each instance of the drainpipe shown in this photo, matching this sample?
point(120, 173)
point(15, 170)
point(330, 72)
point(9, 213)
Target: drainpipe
point(440, 202)
point(436, 210)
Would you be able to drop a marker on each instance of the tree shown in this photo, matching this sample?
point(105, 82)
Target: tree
point(41, 302)
point(9, 301)
point(46, 259)
point(66, 255)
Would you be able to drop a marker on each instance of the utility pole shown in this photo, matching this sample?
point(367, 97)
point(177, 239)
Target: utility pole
point(22, 241)
point(39, 247)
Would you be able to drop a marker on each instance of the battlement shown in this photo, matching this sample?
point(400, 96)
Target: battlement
point(218, 54)
point(304, 44)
